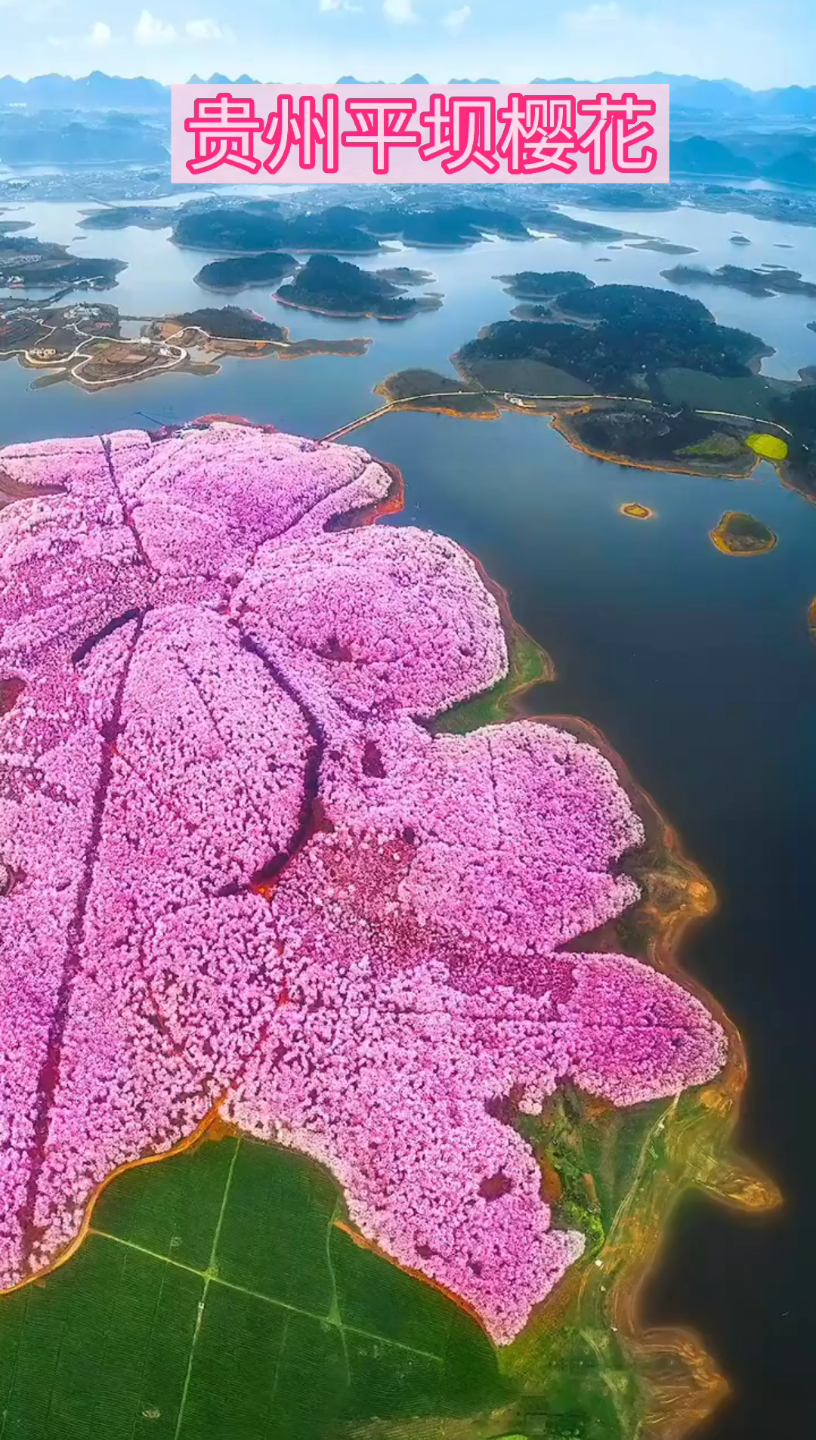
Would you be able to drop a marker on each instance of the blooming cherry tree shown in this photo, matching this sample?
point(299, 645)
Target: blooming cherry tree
point(239, 873)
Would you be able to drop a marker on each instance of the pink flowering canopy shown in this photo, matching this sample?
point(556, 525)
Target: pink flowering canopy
point(237, 871)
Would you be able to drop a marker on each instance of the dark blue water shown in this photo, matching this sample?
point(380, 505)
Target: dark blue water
point(697, 666)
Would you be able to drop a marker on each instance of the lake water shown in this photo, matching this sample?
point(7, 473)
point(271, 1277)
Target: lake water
point(697, 667)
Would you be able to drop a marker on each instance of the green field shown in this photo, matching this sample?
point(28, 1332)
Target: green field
point(214, 1299)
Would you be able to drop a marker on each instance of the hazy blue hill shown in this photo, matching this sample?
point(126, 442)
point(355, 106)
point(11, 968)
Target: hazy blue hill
point(700, 156)
point(96, 91)
point(54, 139)
point(795, 100)
point(796, 168)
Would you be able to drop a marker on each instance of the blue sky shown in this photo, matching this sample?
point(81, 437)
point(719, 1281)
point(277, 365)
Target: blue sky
point(761, 44)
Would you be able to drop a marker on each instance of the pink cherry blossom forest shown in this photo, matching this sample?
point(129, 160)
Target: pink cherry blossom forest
point(239, 873)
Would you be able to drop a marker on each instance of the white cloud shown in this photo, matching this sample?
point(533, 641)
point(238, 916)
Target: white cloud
point(455, 19)
point(149, 30)
point(400, 12)
point(204, 30)
point(327, 6)
point(100, 36)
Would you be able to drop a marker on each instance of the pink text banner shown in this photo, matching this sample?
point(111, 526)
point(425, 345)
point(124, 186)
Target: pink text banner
point(361, 134)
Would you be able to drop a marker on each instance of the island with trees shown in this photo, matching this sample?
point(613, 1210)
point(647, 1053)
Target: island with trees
point(741, 534)
point(328, 286)
point(630, 333)
point(244, 272)
point(762, 283)
point(632, 374)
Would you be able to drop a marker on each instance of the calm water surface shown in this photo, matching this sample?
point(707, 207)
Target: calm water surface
point(697, 666)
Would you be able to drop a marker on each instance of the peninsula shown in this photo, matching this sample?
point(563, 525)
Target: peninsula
point(84, 343)
point(28, 263)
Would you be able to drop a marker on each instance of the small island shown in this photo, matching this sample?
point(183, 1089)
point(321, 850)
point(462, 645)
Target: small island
point(742, 534)
point(428, 390)
point(663, 247)
point(245, 272)
point(636, 511)
point(328, 286)
point(403, 275)
point(770, 280)
point(544, 284)
point(120, 217)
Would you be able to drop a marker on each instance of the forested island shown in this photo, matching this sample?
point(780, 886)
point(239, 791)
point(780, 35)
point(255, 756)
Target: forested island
point(328, 286)
point(265, 225)
point(741, 534)
point(635, 331)
point(422, 389)
point(242, 272)
point(544, 284)
point(650, 363)
point(260, 227)
point(770, 280)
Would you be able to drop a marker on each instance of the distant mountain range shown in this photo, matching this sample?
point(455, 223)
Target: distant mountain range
point(720, 98)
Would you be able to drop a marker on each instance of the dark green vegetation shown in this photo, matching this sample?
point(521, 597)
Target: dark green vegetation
point(636, 332)
point(741, 534)
point(120, 217)
point(263, 225)
point(428, 390)
point(243, 271)
point(260, 226)
point(544, 284)
point(215, 1299)
point(452, 225)
point(554, 222)
point(336, 287)
point(230, 322)
point(37, 262)
point(770, 281)
point(656, 436)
